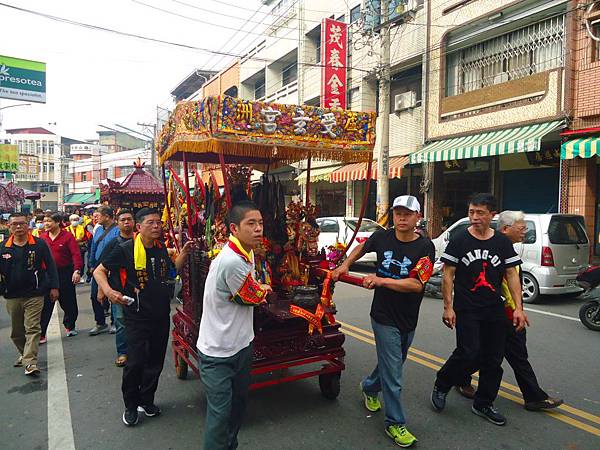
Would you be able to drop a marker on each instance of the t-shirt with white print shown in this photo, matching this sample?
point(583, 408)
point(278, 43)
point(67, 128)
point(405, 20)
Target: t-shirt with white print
point(480, 268)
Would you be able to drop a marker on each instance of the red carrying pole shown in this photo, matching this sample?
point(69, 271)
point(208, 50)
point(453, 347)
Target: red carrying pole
point(363, 207)
point(169, 221)
point(307, 202)
point(188, 197)
point(225, 180)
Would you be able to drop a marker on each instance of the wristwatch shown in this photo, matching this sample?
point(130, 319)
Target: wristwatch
point(78, 272)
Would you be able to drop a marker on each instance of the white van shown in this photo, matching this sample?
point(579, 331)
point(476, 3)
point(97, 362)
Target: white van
point(555, 249)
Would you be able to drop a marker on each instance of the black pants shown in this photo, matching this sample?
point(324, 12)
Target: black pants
point(67, 298)
point(480, 340)
point(516, 355)
point(146, 347)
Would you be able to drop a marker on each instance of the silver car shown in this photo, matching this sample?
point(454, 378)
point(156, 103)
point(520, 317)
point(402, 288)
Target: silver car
point(555, 249)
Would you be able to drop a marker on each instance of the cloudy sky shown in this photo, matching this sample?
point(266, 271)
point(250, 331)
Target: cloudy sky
point(95, 77)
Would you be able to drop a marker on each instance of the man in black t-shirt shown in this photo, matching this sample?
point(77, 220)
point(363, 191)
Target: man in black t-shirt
point(476, 261)
point(404, 265)
point(145, 270)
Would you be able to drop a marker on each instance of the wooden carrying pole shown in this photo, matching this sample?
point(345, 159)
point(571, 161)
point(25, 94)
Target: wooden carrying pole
point(225, 181)
point(188, 197)
point(168, 206)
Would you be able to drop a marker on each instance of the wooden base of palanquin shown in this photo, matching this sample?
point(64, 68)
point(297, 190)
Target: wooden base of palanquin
point(283, 351)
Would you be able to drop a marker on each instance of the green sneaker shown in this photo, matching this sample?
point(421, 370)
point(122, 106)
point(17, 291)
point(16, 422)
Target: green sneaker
point(371, 403)
point(400, 435)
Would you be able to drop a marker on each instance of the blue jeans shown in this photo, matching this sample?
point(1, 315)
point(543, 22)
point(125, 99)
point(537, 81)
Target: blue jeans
point(117, 312)
point(392, 349)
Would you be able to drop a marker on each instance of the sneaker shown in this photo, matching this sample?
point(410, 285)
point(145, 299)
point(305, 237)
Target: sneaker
point(121, 361)
point(19, 362)
point(549, 403)
point(99, 329)
point(149, 410)
point(490, 413)
point(130, 417)
point(72, 332)
point(31, 370)
point(466, 391)
point(113, 329)
point(438, 399)
point(43, 340)
point(401, 436)
point(372, 403)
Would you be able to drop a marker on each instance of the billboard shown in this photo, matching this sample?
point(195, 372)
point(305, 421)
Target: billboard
point(21, 79)
point(334, 53)
point(9, 158)
point(29, 167)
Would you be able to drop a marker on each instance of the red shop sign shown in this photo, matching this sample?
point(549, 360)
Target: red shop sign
point(334, 53)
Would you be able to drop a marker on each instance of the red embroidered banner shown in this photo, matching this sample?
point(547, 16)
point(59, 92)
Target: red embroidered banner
point(334, 54)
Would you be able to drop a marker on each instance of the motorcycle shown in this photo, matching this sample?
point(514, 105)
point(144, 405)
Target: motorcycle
point(589, 313)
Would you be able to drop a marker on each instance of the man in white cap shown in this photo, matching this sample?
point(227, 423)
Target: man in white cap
point(404, 265)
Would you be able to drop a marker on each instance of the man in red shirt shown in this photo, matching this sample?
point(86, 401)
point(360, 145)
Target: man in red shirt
point(67, 257)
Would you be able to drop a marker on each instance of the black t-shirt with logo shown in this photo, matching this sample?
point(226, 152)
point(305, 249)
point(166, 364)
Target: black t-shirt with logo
point(480, 268)
point(397, 259)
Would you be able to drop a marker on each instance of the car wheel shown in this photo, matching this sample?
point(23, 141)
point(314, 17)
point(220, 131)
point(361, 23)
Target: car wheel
point(531, 288)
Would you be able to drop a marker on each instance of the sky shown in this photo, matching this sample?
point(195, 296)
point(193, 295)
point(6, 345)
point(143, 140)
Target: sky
point(97, 78)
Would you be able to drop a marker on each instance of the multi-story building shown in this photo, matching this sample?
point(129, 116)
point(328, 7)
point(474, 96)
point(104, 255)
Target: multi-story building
point(93, 164)
point(42, 158)
point(117, 141)
point(494, 104)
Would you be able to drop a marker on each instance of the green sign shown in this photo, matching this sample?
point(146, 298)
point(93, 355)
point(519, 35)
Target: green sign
point(9, 158)
point(21, 79)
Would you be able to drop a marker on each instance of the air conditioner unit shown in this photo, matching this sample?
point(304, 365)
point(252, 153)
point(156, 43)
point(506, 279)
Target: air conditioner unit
point(407, 7)
point(404, 101)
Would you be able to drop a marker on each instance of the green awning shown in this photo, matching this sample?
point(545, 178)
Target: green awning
point(317, 174)
point(584, 148)
point(81, 198)
point(493, 143)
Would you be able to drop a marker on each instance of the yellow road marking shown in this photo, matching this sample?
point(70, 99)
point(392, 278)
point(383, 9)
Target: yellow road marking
point(367, 337)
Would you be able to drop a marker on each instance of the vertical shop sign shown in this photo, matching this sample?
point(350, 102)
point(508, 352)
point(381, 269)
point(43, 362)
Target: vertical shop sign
point(334, 53)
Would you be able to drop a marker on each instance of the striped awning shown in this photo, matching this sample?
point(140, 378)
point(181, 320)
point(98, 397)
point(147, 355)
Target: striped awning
point(493, 143)
point(584, 148)
point(317, 174)
point(358, 171)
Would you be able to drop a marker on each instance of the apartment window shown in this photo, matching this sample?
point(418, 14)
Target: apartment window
point(353, 98)
point(83, 176)
point(44, 167)
point(50, 148)
point(44, 147)
point(532, 49)
point(355, 14)
point(596, 31)
point(259, 88)
point(289, 73)
point(38, 147)
point(50, 167)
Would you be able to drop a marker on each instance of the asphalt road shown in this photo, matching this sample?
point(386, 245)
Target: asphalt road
point(38, 414)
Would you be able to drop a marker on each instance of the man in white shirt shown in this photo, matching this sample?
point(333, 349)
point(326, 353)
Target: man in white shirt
point(226, 327)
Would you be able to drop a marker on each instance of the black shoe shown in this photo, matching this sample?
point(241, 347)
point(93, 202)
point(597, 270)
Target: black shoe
point(149, 410)
point(490, 413)
point(130, 417)
point(438, 399)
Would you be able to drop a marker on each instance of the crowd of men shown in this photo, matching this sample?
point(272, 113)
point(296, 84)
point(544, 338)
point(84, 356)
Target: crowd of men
point(44, 257)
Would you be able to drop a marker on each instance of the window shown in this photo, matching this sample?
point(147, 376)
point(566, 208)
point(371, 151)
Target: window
point(83, 176)
point(51, 148)
point(38, 147)
point(530, 234)
point(596, 31)
point(44, 147)
point(259, 88)
point(355, 14)
point(406, 81)
point(353, 97)
point(366, 225)
point(44, 167)
point(289, 73)
point(532, 49)
point(50, 167)
point(328, 226)
point(566, 230)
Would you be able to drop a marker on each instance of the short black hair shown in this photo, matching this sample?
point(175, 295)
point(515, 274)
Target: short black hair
point(239, 210)
point(54, 216)
point(144, 212)
point(125, 211)
point(484, 199)
point(106, 211)
point(17, 214)
point(39, 217)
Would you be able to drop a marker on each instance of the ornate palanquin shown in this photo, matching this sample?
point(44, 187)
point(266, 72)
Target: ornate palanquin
point(235, 134)
point(139, 189)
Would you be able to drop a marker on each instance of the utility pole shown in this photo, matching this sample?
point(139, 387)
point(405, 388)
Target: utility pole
point(151, 126)
point(383, 192)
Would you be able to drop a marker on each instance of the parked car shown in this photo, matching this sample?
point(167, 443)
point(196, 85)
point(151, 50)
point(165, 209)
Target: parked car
point(341, 229)
point(555, 249)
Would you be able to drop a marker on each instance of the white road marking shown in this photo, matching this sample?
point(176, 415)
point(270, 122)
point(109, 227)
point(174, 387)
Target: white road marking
point(60, 428)
point(576, 319)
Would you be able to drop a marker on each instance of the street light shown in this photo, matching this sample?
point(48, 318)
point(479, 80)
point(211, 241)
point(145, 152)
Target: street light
point(10, 106)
